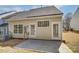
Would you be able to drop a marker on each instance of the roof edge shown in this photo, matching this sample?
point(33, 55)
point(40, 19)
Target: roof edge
point(44, 15)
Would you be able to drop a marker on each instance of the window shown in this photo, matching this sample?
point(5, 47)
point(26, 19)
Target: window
point(18, 28)
point(43, 23)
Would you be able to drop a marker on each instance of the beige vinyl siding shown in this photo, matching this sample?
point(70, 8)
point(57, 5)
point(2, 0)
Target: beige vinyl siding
point(41, 32)
point(24, 23)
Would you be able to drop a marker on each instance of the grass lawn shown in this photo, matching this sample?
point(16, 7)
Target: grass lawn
point(7, 47)
point(72, 40)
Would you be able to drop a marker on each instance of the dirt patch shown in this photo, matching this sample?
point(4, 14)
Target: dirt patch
point(11, 42)
point(8, 46)
point(72, 40)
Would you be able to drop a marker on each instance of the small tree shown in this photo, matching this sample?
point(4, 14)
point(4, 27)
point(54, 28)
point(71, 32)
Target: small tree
point(67, 20)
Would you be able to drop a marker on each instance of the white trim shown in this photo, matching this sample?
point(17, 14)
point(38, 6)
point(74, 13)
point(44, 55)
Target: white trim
point(43, 20)
point(52, 29)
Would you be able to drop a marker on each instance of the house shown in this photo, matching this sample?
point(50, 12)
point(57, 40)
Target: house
point(39, 23)
point(4, 25)
point(3, 31)
point(75, 20)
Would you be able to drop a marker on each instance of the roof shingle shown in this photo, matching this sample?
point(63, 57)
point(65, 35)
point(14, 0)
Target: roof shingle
point(49, 10)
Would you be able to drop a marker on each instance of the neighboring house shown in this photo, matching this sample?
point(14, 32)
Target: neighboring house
point(75, 20)
point(4, 31)
point(39, 23)
point(4, 25)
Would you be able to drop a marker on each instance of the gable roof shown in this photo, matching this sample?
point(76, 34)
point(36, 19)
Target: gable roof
point(77, 11)
point(75, 16)
point(43, 11)
point(6, 14)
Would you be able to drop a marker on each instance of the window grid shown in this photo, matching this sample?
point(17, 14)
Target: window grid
point(43, 23)
point(18, 28)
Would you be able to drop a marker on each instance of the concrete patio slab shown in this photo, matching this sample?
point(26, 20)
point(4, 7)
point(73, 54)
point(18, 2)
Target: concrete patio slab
point(41, 45)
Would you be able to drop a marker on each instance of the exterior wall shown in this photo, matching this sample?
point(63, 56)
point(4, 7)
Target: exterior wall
point(11, 27)
point(41, 32)
point(75, 21)
point(46, 32)
point(3, 33)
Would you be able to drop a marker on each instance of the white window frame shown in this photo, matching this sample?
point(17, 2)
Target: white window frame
point(44, 24)
point(43, 20)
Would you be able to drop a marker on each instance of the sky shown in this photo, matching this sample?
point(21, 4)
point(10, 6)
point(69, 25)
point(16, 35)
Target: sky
point(67, 8)
point(64, 8)
point(5, 8)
